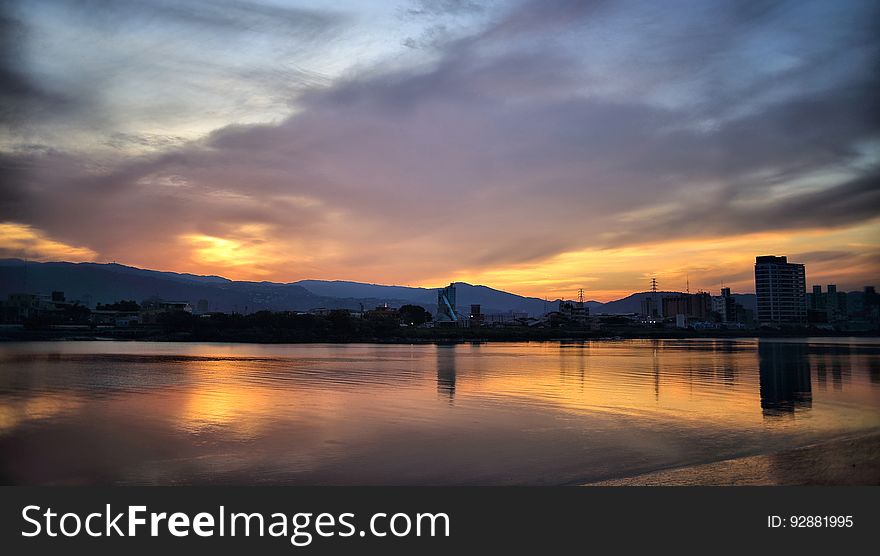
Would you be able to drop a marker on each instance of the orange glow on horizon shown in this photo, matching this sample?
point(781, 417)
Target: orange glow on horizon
point(21, 240)
point(847, 257)
point(698, 264)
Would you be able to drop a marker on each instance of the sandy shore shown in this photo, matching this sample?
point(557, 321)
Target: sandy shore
point(847, 461)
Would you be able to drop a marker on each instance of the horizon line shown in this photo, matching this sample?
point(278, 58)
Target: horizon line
point(547, 300)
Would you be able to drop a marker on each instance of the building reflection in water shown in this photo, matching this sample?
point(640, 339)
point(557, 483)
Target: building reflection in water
point(655, 359)
point(785, 378)
point(874, 370)
point(446, 371)
point(573, 358)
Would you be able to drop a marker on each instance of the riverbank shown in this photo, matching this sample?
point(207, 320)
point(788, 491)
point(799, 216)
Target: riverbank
point(399, 336)
point(846, 461)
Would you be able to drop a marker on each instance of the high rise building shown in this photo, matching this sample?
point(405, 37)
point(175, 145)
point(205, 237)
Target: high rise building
point(446, 305)
point(781, 291)
point(725, 306)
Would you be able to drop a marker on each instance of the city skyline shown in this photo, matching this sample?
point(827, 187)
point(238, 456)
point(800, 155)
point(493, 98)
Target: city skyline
point(654, 286)
point(534, 147)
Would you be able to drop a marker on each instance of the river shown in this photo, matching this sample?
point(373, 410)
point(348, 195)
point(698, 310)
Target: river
point(113, 412)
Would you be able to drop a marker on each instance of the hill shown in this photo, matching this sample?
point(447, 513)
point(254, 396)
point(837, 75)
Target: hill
point(93, 283)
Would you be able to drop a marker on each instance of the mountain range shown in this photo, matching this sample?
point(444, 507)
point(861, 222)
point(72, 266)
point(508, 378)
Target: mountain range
point(93, 283)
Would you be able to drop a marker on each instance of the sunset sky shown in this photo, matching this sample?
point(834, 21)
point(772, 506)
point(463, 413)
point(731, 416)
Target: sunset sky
point(534, 146)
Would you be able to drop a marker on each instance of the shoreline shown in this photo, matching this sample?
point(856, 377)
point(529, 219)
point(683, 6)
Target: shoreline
point(425, 336)
point(846, 461)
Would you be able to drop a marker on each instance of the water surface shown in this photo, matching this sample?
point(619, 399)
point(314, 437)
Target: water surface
point(494, 413)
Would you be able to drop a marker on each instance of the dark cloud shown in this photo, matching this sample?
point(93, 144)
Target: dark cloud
point(844, 204)
point(21, 96)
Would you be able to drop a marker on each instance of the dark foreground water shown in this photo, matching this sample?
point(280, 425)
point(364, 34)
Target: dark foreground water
point(528, 413)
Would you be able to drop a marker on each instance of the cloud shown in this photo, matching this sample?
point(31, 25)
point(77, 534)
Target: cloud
point(841, 205)
point(76, 71)
point(517, 144)
point(22, 241)
point(22, 97)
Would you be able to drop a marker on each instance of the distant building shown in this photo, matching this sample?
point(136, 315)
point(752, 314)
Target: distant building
point(575, 311)
point(870, 298)
point(151, 309)
point(695, 306)
point(781, 291)
point(816, 300)
point(835, 304)
point(729, 312)
point(21, 307)
point(475, 318)
point(853, 312)
point(446, 312)
point(110, 317)
point(176, 306)
point(827, 307)
point(652, 306)
point(726, 307)
point(870, 312)
point(383, 311)
point(505, 319)
point(202, 306)
point(718, 307)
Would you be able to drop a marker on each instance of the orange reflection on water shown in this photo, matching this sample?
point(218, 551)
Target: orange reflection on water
point(426, 414)
point(15, 413)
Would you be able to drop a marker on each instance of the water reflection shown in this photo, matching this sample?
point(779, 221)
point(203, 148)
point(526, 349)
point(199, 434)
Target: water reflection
point(573, 360)
point(509, 413)
point(655, 365)
point(446, 371)
point(785, 378)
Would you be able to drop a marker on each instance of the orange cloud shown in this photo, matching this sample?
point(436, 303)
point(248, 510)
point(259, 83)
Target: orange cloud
point(703, 263)
point(21, 240)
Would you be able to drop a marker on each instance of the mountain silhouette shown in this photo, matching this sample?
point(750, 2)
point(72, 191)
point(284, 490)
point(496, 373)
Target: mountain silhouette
point(93, 283)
